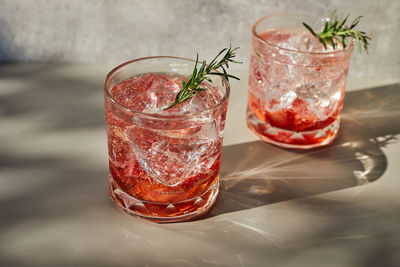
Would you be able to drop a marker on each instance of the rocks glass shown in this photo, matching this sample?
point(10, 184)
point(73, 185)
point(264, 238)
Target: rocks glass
point(164, 163)
point(296, 87)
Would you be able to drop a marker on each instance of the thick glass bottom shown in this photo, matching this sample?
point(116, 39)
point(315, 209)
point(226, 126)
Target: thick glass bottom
point(164, 212)
point(291, 139)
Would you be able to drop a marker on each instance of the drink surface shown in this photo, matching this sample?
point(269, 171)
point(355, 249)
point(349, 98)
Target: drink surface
point(163, 167)
point(152, 93)
point(295, 91)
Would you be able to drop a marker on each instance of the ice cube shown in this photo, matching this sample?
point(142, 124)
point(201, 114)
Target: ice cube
point(172, 161)
point(193, 105)
point(161, 93)
point(319, 103)
point(150, 93)
point(286, 100)
point(199, 102)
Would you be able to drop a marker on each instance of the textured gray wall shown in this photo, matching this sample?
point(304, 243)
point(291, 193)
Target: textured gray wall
point(105, 31)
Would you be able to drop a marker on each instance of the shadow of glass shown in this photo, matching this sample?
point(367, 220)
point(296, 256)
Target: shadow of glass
point(255, 174)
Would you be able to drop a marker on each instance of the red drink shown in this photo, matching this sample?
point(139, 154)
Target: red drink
point(296, 87)
point(164, 163)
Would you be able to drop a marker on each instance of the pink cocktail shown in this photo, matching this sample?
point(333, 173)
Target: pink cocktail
point(296, 87)
point(164, 163)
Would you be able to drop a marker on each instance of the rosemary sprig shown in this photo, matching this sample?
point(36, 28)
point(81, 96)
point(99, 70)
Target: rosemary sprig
point(193, 85)
point(335, 31)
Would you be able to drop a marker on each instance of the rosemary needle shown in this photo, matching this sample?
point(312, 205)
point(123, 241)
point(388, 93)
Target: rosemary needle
point(336, 31)
point(193, 85)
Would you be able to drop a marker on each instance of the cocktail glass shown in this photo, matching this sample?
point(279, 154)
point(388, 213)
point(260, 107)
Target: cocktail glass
point(296, 87)
point(164, 163)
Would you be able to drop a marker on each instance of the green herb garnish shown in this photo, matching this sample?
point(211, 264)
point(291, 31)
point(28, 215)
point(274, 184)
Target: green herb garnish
point(335, 31)
point(193, 85)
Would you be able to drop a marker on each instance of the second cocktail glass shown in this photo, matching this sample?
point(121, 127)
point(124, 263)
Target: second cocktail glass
point(296, 87)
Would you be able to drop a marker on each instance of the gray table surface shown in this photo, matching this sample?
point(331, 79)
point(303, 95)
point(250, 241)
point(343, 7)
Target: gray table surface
point(335, 206)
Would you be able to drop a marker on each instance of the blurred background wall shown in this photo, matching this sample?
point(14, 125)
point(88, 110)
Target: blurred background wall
point(113, 31)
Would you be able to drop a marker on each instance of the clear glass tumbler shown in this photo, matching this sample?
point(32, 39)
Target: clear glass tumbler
point(296, 87)
point(164, 163)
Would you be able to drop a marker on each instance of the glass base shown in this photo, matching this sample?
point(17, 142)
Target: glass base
point(164, 212)
point(291, 139)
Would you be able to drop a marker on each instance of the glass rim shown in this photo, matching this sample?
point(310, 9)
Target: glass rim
point(254, 33)
point(157, 115)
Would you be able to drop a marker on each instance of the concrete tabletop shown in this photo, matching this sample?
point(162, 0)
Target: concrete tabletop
point(333, 206)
